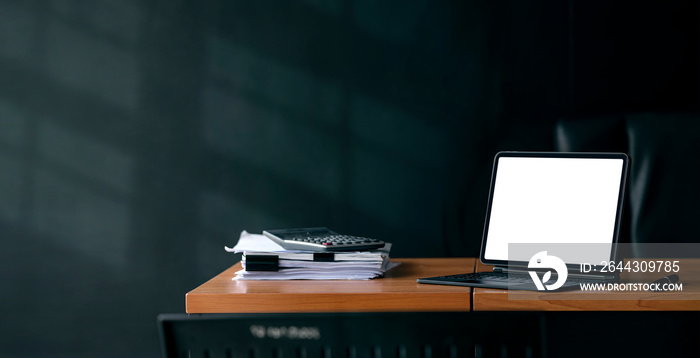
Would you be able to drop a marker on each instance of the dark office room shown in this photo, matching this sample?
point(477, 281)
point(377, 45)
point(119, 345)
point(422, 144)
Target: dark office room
point(139, 138)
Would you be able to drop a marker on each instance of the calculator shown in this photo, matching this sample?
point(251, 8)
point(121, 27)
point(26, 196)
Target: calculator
point(320, 239)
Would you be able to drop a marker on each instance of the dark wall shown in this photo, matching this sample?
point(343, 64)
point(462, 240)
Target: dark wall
point(137, 138)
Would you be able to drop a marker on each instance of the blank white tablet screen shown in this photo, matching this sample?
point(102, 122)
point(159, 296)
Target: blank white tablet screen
point(552, 200)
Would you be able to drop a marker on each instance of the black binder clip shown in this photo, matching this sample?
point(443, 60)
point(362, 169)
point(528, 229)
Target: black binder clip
point(324, 256)
point(262, 263)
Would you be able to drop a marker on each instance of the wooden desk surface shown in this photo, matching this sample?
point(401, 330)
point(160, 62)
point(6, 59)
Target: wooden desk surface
point(397, 291)
point(484, 299)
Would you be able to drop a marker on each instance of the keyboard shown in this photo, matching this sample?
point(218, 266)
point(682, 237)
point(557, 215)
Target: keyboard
point(500, 280)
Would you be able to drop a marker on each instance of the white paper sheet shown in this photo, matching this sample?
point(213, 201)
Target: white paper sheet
point(300, 265)
point(313, 274)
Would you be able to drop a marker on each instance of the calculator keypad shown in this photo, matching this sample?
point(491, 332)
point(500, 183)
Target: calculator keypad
point(334, 240)
point(321, 239)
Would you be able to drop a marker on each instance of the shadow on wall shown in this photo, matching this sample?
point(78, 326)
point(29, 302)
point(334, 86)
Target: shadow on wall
point(136, 140)
point(307, 127)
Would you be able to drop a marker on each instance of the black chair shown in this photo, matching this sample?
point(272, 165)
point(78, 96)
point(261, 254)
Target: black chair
point(664, 149)
point(385, 335)
point(432, 334)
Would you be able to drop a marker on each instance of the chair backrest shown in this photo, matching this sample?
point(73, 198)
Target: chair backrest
point(664, 149)
point(385, 335)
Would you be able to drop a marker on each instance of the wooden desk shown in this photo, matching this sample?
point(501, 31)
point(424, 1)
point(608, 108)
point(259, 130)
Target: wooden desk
point(484, 299)
point(398, 291)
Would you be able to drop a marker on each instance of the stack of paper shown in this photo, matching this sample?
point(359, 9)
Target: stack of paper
point(263, 259)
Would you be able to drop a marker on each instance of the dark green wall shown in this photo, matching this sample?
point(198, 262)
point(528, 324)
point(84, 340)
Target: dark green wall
point(137, 138)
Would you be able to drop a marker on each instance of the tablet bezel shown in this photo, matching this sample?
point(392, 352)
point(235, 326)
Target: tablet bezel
point(586, 155)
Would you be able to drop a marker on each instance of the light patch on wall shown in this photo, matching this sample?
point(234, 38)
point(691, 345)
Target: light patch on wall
point(262, 137)
point(103, 165)
point(13, 125)
point(119, 18)
point(80, 219)
point(393, 132)
point(92, 65)
point(13, 130)
point(18, 26)
point(227, 217)
point(10, 188)
point(278, 84)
